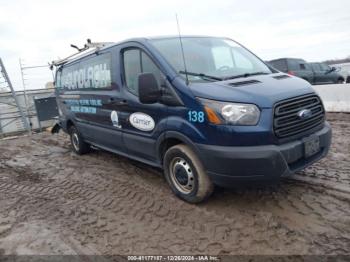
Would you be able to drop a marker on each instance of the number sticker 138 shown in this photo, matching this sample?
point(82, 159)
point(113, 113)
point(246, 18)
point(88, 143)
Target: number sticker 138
point(196, 116)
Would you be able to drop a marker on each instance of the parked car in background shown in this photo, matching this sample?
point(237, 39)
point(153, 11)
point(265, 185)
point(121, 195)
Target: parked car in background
point(314, 73)
point(294, 66)
point(324, 74)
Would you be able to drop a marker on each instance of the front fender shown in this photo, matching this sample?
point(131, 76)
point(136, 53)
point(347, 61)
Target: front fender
point(188, 129)
point(189, 135)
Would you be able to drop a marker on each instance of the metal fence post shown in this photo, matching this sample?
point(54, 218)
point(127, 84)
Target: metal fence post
point(7, 79)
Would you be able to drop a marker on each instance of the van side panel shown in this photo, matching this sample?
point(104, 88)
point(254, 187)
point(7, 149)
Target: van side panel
point(85, 91)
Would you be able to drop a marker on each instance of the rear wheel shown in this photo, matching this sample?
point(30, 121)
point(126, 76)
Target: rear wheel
point(78, 144)
point(340, 81)
point(185, 174)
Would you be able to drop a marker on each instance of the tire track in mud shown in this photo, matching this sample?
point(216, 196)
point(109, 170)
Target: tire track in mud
point(133, 204)
point(336, 167)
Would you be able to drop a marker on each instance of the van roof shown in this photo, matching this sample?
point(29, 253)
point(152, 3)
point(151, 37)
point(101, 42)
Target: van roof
point(135, 39)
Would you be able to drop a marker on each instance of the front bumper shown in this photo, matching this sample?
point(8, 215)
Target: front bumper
point(226, 165)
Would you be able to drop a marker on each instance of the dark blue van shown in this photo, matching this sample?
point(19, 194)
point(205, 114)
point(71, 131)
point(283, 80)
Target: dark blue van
point(210, 113)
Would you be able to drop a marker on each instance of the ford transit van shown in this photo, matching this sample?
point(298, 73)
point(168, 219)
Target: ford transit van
point(205, 110)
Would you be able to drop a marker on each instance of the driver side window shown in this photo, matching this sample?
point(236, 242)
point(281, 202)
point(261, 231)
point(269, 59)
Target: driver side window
point(135, 63)
point(324, 67)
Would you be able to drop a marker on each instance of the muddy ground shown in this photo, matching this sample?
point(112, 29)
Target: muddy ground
point(55, 202)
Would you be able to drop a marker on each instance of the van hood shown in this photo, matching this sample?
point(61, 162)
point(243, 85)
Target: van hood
point(262, 90)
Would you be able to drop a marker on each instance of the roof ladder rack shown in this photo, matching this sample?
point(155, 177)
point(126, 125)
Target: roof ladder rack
point(87, 46)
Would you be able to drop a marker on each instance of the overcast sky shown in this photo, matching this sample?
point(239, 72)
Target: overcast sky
point(40, 31)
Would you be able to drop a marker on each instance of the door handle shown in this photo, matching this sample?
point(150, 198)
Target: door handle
point(112, 101)
point(120, 103)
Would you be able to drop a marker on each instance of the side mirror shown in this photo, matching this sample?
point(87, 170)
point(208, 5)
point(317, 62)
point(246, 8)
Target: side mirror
point(149, 91)
point(331, 69)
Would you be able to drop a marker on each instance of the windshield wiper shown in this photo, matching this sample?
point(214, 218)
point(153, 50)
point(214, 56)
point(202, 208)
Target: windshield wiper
point(245, 75)
point(201, 75)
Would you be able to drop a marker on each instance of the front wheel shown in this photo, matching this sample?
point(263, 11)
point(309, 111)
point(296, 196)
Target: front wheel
point(78, 144)
point(340, 81)
point(185, 174)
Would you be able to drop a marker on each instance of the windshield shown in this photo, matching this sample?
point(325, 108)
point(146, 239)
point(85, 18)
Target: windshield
point(215, 57)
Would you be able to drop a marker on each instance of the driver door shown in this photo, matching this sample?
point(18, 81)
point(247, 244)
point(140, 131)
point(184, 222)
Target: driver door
point(144, 122)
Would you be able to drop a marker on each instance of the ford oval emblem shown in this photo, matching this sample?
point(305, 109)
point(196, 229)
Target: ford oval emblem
point(304, 114)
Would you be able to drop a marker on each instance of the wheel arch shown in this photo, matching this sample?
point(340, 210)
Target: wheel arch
point(341, 79)
point(69, 124)
point(172, 138)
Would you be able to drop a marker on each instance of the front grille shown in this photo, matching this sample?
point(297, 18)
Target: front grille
point(286, 120)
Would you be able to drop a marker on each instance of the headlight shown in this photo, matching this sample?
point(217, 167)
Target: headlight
point(231, 113)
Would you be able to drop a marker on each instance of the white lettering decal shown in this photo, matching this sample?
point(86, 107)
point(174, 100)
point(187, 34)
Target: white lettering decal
point(90, 75)
point(81, 78)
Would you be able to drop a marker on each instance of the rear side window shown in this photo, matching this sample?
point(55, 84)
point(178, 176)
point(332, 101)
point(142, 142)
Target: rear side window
point(293, 65)
point(316, 67)
point(69, 77)
point(58, 79)
point(279, 64)
point(297, 65)
point(91, 72)
point(135, 63)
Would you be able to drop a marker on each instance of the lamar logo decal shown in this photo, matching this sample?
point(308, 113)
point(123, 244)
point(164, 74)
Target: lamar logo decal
point(141, 121)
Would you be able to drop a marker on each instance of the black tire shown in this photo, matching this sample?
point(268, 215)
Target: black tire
point(186, 175)
point(340, 81)
point(79, 146)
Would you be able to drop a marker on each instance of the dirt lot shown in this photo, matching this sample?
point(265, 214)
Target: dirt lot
point(55, 202)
